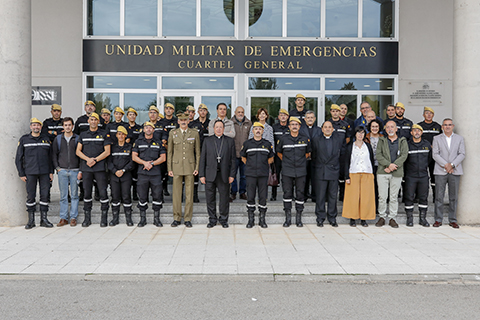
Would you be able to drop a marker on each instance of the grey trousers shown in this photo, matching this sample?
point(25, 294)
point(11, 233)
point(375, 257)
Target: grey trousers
point(441, 182)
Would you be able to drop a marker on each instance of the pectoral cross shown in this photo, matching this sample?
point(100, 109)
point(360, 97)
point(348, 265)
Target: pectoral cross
point(219, 158)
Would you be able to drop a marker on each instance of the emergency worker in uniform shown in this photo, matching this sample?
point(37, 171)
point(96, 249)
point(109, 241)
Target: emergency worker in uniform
point(93, 148)
point(183, 159)
point(106, 115)
point(416, 175)
point(169, 122)
point(404, 125)
point(257, 154)
point(120, 166)
point(201, 122)
point(149, 153)
point(293, 149)
point(53, 126)
point(34, 165)
point(134, 131)
point(118, 114)
point(279, 130)
point(82, 125)
point(300, 110)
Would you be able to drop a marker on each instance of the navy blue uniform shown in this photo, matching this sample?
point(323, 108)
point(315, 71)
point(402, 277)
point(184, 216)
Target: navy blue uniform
point(81, 125)
point(52, 128)
point(121, 159)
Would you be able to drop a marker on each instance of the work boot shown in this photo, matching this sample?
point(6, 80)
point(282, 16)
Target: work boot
point(88, 218)
point(274, 194)
point(143, 219)
point(251, 219)
point(261, 220)
point(31, 220)
point(103, 219)
point(288, 218)
point(195, 194)
point(298, 219)
point(156, 219)
point(135, 194)
point(44, 221)
point(409, 218)
point(115, 218)
point(423, 218)
point(128, 217)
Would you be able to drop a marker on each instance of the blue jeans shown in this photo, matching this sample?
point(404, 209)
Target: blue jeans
point(66, 177)
point(243, 179)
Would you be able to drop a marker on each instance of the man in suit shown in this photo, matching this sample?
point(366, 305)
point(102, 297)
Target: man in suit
point(217, 169)
point(310, 130)
point(183, 160)
point(326, 151)
point(448, 152)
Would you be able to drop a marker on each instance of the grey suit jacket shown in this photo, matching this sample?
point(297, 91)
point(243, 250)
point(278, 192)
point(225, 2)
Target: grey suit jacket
point(443, 155)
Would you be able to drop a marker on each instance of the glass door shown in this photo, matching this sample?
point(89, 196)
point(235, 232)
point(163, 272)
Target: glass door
point(349, 100)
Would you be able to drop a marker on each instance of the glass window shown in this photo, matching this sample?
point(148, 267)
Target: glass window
point(197, 83)
point(179, 17)
point(212, 101)
point(358, 84)
point(303, 18)
point(265, 18)
point(104, 100)
point(180, 103)
point(140, 17)
point(218, 18)
point(378, 18)
point(342, 18)
point(379, 104)
point(272, 104)
point(310, 104)
point(349, 100)
point(140, 102)
point(284, 84)
point(104, 17)
point(121, 82)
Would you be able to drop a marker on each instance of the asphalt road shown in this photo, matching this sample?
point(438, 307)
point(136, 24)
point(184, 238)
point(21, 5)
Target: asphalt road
point(249, 298)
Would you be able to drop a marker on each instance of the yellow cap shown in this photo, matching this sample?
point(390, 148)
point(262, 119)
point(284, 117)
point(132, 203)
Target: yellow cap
point(148, 123)
point(300, 96)
point(169, 105)
point(295, 119)
point(428, 109)
point(95, 115)
point(182, 115)
point(400, 105)
point(153, 108)
point(56, 107)
point(118, 109)
point(105, 111)
point(35, 120)
point(283, 111)
point(161, 116)
point(416, 126)
point(90, 102)
point(258, 124)
point(335, 107)
point(202, 106)
point(190, 108)
point(132, 110)
point(122, 130)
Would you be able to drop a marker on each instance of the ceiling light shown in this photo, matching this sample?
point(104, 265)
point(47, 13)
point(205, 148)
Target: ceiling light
point(212, 80)
point(109, 84)
point(188, 82)
point(366, 85)
point(146, 79)
point(288, 82)
point(378, 81)
point(331, 80)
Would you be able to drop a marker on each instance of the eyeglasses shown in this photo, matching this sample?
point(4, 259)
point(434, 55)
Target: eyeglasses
point(448, 125)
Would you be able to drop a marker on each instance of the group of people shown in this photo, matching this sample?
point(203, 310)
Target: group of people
point(363, 162)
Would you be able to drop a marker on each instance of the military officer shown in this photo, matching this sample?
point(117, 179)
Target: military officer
point(294, 149)
point(183, 160)
point(82, 124)
point(134, 131)
point(118, 114)
point(279, 130)
point(53, 126)
point(93, 148)
point(149, 153)
point(34, 163)
point(169, 122)
point(120, 166)
point(257, 154)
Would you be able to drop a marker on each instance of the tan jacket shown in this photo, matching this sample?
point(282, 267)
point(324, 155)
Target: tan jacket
point(183, 152)
point(242, 129)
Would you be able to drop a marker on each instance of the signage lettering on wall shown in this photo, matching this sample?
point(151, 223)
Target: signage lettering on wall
point(46, 95)
point(240, 56)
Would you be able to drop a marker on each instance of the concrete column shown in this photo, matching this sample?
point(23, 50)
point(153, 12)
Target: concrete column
point(15, 104)
point(466, 93)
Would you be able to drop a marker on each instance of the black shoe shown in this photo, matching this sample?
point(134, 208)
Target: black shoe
point(243, 196)
point(176, 223)
point(364, 223)
point(103, 219)
point(143, 219)
point(352, 223)
point(334, 224)
point(156, 219)
point(320, 224)
point(115, 219)
point(44, 221)
point(166, 193)
point(31, 221)
point(88, 219)
point(224, 224)
point(273, 199)
point(128, 219)
point(188, 224)
point(211, 225)
point(195, 198)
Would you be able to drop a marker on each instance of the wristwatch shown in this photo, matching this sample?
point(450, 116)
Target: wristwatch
point(152, 163)
point(123, 170)
point(453, 166)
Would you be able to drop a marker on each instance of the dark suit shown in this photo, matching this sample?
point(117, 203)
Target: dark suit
point(216, 175)
point(311, 133)
point(326, 164)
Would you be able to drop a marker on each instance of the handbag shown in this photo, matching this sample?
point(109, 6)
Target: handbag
point(272, 177)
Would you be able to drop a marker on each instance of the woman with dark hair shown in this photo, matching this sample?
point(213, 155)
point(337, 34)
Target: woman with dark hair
point(359, 201)
point(374, 128)
point(262, 117)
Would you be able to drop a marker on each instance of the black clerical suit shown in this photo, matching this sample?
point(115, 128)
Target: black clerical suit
point(310, 132)
point(326, 154)
point(217, 164)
